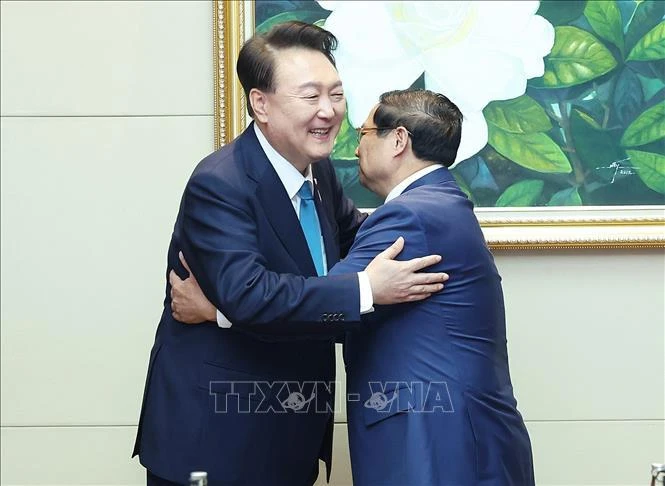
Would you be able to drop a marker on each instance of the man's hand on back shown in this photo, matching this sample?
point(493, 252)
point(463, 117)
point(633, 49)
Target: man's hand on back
point(188, 303)
point(394, 282)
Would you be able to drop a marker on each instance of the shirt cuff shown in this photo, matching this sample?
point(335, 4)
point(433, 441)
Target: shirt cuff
point(366, 297)
point(223, 322)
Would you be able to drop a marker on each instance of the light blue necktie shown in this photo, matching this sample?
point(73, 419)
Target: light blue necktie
point(309, 222)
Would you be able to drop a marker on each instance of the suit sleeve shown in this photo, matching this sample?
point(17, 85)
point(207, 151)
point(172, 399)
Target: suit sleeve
point(220, 242)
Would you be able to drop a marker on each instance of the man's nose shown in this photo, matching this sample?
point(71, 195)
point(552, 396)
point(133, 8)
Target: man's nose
point(326, 108)
point(357, 152)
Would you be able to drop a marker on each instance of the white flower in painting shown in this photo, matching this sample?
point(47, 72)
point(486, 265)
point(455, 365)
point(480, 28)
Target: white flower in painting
point(472, 52)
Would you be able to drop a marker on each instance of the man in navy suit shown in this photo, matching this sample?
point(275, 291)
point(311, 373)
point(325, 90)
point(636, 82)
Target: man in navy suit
point(260, 221)
point(430, 400)
point(432, 397)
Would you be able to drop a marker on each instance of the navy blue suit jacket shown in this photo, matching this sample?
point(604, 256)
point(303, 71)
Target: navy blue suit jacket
point(430, 401)
point(202, 408)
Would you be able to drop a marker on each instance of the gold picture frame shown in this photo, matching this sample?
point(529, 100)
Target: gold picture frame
point(505, 229)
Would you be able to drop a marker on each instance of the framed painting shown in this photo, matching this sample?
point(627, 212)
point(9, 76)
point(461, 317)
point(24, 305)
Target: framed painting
point(563, 141)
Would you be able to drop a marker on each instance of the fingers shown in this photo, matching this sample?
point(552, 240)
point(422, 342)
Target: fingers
point(426, 289)
point(422, 292)
point(418, 297)
point(173, 278)
point(174, 311)
point(175, 282)
point(424, 262)
point(184, 262)
point(428, 278)
point(393, 250)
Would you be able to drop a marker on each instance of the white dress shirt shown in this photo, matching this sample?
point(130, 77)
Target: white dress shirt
point(293, 180)
point(399, 188)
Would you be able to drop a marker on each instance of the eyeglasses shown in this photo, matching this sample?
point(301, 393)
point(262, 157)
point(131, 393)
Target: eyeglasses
point(363, 130)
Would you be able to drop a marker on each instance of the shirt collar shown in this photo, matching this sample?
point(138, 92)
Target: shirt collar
point(399, 188)
point(291, 178)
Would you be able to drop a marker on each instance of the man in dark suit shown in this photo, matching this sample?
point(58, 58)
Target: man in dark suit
point(260, 222)
point(433, 402)
point(430, 400)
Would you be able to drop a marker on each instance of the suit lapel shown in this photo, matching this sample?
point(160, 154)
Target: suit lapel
point(274, 199)
point(321, 195)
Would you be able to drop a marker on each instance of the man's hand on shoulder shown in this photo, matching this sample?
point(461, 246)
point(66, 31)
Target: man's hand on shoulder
point(395, 282)
point(188, 303)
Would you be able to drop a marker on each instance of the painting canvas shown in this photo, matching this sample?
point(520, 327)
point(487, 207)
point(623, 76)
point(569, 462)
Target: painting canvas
point(563, 101)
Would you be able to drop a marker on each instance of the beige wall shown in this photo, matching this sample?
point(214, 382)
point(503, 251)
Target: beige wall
point(106, 108)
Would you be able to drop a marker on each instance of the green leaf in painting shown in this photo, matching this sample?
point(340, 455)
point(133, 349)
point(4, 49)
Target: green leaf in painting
point(519, 115)
point(347, 175)
point(595, 147)
point(651, 87)
point(650, 167)
point(561, 11)
point(566, 197)
point(587, 118)
point(646, 16)
point(649, 69)
point(651, 47)
point(628, 96)
point(605, 19)
point(648, 127)
point(521, 194)
point(345, 143)
point(463, 185)
point(535, 151)
point(577, 57)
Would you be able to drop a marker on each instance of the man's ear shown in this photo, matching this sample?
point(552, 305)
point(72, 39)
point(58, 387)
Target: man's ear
point(401, 140)
point(258, 101)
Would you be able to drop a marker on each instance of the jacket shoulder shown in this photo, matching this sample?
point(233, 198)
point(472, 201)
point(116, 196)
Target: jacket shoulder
point(223, 168)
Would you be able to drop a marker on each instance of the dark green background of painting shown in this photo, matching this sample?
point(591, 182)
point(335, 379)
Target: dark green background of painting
point(605, 169)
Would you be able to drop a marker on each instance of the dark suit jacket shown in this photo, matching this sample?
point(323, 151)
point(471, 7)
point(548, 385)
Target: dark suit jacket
point(222, 400)
point(430, 398)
